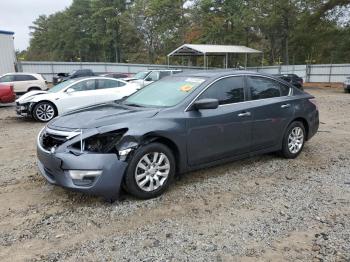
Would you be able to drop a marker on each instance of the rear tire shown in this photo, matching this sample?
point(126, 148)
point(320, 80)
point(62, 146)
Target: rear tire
point(293, 140)
point(34, 89)
point(44, 111)
point(150, 171)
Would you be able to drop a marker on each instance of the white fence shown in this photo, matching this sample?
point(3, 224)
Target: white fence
point(299, 70)
point(330, 73)
point(49, 69)
point(310, 73)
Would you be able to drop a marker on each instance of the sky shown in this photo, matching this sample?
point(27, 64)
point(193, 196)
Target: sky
point(18, 15)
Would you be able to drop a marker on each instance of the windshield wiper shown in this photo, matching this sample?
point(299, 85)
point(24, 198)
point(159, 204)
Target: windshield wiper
point(132, 104)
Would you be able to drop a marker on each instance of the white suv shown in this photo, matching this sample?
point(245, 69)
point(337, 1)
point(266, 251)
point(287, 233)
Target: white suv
point(24, 82)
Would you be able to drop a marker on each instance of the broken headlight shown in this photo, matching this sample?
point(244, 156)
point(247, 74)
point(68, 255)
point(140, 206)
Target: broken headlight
point(101, 143)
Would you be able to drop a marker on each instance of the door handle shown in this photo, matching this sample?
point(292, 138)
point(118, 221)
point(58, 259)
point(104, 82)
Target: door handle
point(244, 114)
point(285, 105)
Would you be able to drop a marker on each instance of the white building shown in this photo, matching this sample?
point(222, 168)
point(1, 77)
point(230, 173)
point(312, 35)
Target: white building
point(7, 52)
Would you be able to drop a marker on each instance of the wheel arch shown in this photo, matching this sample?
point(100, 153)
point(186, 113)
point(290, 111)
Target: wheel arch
point(150, 138)
point(304, 122)
point(32, 88)
point(41, 101)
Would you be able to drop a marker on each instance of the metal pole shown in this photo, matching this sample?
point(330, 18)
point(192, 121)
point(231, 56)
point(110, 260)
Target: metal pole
point(226, 60)
point(330, 69)
point(246, 60)
point(168, 58)
point(205, 59)
point(52, 71)
point(330, 73)
point(308, 72)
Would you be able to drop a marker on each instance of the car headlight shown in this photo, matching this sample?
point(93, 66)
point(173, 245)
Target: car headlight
point(101, 143)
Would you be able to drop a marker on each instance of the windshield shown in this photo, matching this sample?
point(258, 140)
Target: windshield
point(141, 75)
point(61, 86)
point(164, 93)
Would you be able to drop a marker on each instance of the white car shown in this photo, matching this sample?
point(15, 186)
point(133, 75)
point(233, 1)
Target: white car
point(72, 94)
point(145, 78)
point(24, 82)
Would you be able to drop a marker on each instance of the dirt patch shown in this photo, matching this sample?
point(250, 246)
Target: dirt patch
point(324, 85)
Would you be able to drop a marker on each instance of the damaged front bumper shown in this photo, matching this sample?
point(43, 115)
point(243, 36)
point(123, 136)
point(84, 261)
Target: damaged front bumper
point(92, 173)
point(24, 109)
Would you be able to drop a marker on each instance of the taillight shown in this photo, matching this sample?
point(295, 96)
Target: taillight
point(313, 101)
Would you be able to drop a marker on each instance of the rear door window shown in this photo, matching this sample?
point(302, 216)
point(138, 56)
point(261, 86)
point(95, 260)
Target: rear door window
point(228, 90)
point(285, 90)
point(107, 83)
point(261, 87)
point(7, 78)
point(24, 78)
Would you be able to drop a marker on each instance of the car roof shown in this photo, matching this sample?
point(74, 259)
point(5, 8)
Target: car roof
point(97, 77)
point(282, 75)
point(161, 70)
point(23, 73)
point(79, 70)
point(218, 73)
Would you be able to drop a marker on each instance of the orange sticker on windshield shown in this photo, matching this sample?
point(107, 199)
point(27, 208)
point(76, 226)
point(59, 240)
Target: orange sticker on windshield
point(186, 88)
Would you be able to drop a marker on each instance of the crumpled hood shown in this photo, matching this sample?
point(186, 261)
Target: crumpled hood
point(30, 95)
point(101, 115)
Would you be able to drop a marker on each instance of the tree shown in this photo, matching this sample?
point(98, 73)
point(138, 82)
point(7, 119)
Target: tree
point(160, 25)
point(144, 31)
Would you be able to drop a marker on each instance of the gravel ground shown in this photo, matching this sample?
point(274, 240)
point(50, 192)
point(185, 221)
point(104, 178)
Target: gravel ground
point(259, 209)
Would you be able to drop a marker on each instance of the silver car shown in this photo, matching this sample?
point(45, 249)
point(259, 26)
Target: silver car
point(145, 78)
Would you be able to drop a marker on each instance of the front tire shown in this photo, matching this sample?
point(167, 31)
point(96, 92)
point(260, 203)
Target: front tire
point(150, 172)
point(44, 111)
point(293, 140)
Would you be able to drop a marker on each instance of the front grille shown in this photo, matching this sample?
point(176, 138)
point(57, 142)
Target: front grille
point(53, 138)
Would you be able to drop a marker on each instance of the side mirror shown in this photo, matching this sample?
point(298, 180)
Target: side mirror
point(70, 90)
point(207, 103)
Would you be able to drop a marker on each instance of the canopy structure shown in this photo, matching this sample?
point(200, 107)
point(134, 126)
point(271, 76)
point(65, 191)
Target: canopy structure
point(212, 50)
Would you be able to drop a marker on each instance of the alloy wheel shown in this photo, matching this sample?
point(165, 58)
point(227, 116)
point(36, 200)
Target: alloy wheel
point(152, 171)
point(295, 140)
point(44, 112)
